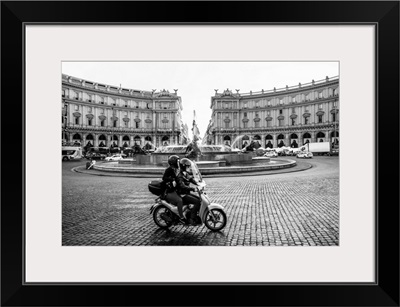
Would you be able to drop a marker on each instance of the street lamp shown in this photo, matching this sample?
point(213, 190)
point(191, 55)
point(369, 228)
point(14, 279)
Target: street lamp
point(65, 116)
point(109, 147)
point(112, 130)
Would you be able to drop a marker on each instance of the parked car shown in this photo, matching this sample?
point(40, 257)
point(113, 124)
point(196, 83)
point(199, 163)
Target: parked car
point(115, 157)
point(271, 154)
point(305, 154)
point(95, 156)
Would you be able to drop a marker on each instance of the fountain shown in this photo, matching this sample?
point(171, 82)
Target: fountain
point(211, 159)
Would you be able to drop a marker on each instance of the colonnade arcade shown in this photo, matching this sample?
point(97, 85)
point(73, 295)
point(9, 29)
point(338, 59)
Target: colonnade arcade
point(107, 140)
point(274, 140)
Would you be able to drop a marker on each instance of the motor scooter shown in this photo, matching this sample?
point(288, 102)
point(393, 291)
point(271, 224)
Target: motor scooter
point(212, 215)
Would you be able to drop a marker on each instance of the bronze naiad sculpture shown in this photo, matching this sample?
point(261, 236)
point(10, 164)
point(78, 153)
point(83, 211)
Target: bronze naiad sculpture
point(193, 151)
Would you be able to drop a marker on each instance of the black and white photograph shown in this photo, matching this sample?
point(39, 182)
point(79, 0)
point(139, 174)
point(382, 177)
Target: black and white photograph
point(200, 153)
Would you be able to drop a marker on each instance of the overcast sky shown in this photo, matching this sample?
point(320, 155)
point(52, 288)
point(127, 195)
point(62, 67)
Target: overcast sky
point(196, 81)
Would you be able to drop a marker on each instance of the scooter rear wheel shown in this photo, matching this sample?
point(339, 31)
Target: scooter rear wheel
point(163, 217)
point(215, 221)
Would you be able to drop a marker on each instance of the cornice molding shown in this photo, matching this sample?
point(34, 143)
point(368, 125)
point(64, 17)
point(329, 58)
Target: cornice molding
point(284, 106)
point(105, 93)
point(308, 89)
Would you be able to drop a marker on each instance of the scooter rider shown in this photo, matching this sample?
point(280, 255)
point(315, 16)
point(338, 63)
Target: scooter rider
point(183, 188)
point(169, 179)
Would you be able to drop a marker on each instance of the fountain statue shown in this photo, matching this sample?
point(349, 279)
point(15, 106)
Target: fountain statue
point(193, 151)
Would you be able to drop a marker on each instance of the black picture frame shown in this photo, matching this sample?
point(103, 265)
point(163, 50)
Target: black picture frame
point(383, 14)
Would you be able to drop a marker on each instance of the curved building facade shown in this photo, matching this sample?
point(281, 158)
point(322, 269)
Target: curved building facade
point(291, 116)
point(103, 115)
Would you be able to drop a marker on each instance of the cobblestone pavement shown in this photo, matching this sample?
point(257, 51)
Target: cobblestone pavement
point(300, 208)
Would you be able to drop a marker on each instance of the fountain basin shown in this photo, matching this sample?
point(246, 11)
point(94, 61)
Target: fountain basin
point(161, 159)
point(208, 164)
point(206, 169)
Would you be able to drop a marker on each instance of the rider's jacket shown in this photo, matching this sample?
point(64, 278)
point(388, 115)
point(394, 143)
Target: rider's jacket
point(182, 183)
point(169, 177)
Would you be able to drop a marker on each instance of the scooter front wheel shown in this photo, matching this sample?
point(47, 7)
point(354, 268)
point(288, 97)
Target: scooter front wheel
point(215, 219)
point(162, 216)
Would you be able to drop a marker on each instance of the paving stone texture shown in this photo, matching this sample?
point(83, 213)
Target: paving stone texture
point(288, 209)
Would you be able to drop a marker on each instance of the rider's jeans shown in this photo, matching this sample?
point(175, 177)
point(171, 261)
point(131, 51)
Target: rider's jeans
point(191, 199)
point(175, 199)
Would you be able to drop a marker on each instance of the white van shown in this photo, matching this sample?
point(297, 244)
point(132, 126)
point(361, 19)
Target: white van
point(71, 153)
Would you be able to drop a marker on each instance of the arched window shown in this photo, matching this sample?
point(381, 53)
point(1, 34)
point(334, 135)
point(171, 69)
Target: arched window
point(89, 137)
point(165, 140)
point(76, 136)
point(320, 135)
point(281, 137)
point(137, 140)
point(148, 138)
point(293, 136)
point(125, 138)
point(227, 140)
point(102, 137)
point(306, 135)
point(269, 137)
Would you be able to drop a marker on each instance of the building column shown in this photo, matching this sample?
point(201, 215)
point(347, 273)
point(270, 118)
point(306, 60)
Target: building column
point(96, 140)
point(287, 139)
point(263, 143)
point(313, 137)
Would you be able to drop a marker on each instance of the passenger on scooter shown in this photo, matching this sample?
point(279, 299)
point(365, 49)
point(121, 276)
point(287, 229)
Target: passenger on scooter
point(184, 189)
point(169, 179)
